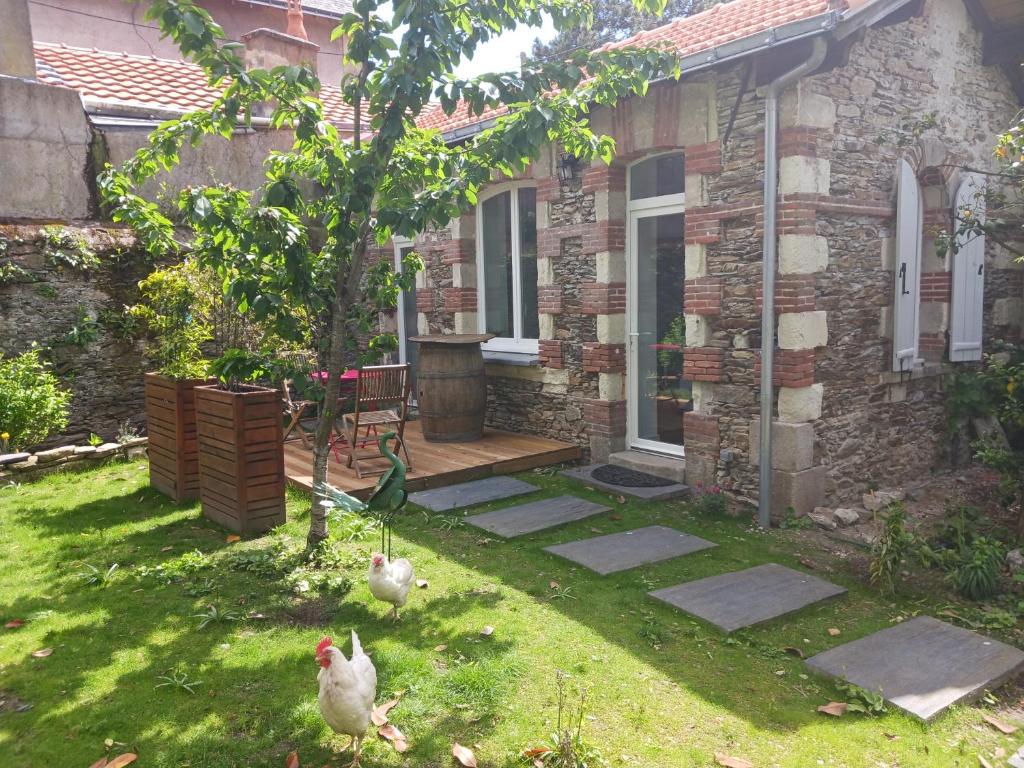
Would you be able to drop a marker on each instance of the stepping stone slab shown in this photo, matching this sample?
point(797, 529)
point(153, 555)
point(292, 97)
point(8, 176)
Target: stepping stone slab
point(473, 492)
point(923, 665)
point(622, 551)
point(744, 598)
point(535, 516)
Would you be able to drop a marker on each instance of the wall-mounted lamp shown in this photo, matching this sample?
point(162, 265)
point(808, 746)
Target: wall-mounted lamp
point(567, 164)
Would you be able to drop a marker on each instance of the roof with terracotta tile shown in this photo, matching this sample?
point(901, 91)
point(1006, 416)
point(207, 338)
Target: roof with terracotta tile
point(146, 81)
point(720, 24)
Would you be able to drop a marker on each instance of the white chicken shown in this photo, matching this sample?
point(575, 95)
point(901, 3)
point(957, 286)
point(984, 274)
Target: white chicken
point(348, 688)
point(390, 582)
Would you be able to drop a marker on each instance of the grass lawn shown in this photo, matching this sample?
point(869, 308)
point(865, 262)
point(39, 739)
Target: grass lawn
point(664, 690)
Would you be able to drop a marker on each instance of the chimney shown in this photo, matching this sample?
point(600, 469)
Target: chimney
point(17, 56)
point(295, 26)
point(268, 48)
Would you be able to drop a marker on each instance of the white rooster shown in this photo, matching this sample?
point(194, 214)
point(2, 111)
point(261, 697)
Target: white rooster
point(347, 690)
point(390, 582)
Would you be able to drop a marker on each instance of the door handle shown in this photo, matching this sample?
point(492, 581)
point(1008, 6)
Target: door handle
point(903, 279)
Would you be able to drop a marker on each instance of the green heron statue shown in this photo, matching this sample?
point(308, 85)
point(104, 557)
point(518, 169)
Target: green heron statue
point(384, 503)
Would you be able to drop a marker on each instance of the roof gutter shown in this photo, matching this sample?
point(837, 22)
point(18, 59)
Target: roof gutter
point(721, 54)
point(768, 263)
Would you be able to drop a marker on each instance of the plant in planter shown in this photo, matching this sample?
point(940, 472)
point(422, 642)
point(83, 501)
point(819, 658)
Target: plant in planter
point(241, 455)
point(175, 334)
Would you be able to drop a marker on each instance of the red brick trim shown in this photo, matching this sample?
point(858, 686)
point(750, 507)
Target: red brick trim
point(793, 367)
point(703, 296)
point(603, 298)
point(932, 346)
point(701, 434)
point(605, 417)
point(459, 251)
point(550, 353)
point(548, 189)
point(703, 363)
point(704, 158)
point(936, 287)
point(604, 358)
point(798, 218)
point(793, 293)
point(549, 299)
point(595, 238)
point(603, 177)
point(459, 299)
point(425, 299)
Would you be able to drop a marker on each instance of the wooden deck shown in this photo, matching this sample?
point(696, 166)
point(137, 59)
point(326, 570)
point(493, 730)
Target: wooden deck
point(438, 464)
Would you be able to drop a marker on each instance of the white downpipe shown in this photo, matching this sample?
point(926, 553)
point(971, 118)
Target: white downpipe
point(768, 260)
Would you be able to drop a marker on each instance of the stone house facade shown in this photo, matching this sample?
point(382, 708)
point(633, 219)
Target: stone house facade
point(642, 280)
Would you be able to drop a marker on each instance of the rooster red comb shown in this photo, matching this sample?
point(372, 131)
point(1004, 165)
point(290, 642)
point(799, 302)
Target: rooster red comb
point(323, 645)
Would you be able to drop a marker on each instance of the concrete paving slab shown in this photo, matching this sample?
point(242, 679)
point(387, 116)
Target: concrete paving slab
point(535, 516)
point(744, 598)
point(660, 493)
point(923, 665)
point(630, 549)
point(474, 492)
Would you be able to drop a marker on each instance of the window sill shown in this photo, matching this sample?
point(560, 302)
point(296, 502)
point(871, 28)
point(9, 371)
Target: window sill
point(511, 358)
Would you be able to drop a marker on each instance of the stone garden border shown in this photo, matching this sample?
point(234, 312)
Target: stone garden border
point(21, 467)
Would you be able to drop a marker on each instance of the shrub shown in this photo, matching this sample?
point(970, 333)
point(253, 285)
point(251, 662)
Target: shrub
point(977, 576)
point(709, 501)
point(32, 403)
point(891, 548)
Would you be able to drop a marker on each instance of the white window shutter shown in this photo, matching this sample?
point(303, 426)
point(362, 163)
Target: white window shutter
point(907, 296)
point(968, 276)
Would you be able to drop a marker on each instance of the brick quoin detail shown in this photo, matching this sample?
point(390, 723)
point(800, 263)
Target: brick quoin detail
point(704, 158)
point(936, 219)
point(461, 251)
point(549, 299)
point(548, 189)
point(932, 346)
point(703, 296)
point(703, 363)
point(936, 287)
point(604, 358)
point(604, 177)
point(595, 238)
point(605, 417)
point(603, 298)
point(701, 434)
point(798, 141)
point(798, 218)
point(793, 368)
point(459, 299)
point(425, 298)
point(793, 293)
point(550, 353)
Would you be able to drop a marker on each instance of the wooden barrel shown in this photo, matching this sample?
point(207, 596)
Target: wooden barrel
point(451, 387)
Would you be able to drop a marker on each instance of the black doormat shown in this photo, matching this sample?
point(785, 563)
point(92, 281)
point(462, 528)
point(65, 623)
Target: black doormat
point(628, 478)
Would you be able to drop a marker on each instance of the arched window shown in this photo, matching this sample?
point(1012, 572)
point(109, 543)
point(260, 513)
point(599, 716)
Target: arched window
point(506, 245)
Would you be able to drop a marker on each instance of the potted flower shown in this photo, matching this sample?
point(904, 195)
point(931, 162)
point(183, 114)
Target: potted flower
point(241, 456)
point(175, 337)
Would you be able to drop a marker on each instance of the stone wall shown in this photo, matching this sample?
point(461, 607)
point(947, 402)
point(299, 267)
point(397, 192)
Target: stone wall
point(72, 313)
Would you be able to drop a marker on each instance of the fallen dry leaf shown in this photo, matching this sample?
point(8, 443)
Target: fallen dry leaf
point(232, 538)
point(422, 583)
point(487, 631)
point(891, 736)
point(14, 624)
point(983, 762)
point(101, 763)
point(834, 632)
point(389, 732)
point(553, 584)
point(122, 760)
point(834, 708)
point(168, 548)
point(440, 648)
point(621, 499)
point(998, 724)
point(728, 761)
point(793, 651)
point(292, 761)
point(464, 755)
point(379, 716)
point(42, 653)
point(536, 752)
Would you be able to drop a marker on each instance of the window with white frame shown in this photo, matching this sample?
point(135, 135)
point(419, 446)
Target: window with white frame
point(507, 269)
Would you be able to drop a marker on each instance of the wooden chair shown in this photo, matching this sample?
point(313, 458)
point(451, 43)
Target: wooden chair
point(296, 412)
point(382, 403)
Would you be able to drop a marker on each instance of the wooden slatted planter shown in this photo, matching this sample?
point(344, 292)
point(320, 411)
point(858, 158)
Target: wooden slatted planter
point(171, 426)
point(241, 457)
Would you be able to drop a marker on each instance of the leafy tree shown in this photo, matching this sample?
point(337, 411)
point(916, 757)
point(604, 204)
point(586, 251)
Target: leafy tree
point(298, 260)
point(614, 20)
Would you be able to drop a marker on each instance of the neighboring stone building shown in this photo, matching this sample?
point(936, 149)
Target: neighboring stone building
point(119, 26)
point(627, 298)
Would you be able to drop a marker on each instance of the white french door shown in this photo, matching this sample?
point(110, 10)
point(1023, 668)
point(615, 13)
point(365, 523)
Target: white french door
point(408, 352)
point(657, 394)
